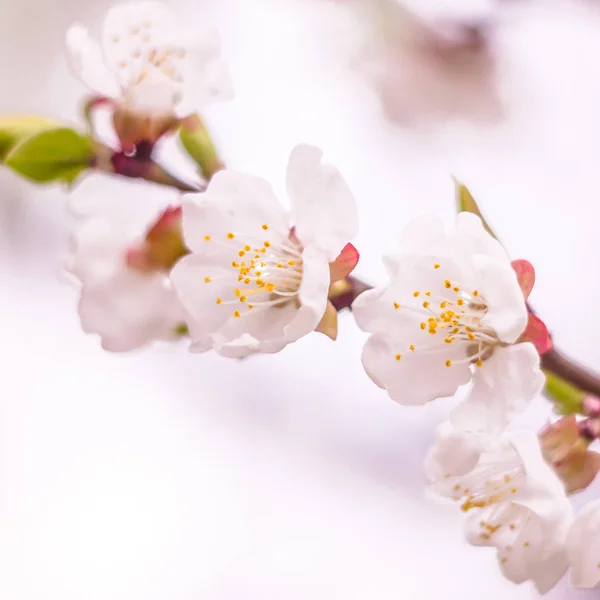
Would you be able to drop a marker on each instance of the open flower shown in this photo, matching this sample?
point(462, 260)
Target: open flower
point(514, 501)
point(451, 314)
point(584, 547)
point(258, 277)
point(149, 68)
point(126, 295)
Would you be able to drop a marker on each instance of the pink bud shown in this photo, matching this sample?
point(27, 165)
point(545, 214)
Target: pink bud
point(133, 127)
point(566, 450)
point(163, 245)
point(591, 406)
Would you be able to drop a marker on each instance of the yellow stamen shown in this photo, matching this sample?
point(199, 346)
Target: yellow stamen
point(207, 280)
point(265, 227)
point(219, 301)
point(230, 236)
point(448, 363)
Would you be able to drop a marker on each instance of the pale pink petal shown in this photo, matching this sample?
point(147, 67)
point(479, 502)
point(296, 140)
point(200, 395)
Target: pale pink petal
point(583, 546)
point(324, 210)
point(87, 62)
point(507, 312)
point(417, 378)
point(502, 388)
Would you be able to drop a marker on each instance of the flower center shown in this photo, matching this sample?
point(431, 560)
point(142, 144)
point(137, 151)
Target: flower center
point(455, 316)
point(268, 274)
point(491, 486)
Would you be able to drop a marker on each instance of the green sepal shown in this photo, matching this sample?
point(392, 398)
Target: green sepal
point(56, 154)
point(198, 144)
point(567, 398)
point(466, 203)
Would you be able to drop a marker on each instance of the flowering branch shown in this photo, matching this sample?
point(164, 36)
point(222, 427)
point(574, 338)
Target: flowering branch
point(139, 165)
point(239, 274)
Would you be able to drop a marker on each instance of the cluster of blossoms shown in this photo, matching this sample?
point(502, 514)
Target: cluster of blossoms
point(236, 272)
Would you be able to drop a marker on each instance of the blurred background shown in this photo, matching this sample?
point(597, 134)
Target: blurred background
point(161, 474)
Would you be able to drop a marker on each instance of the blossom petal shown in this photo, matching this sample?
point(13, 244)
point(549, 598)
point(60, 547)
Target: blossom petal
point(312, 294)
point(200, 298)
point(87, 62)
point(507, 312)
point(233, 203)
point(130, 310)
point(454, 452)
point(206, 77)
point(323, 206)
point(502, 388)
point(583, 546)
point(416, 378)
point(525, 276)
point(133, 28)
point(344, 264)
point(424, 235)
point(471, 237)
point(534, 553)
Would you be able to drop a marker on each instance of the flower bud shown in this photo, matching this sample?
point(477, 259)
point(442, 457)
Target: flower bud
point(566, 449)
point(163, 245)
point(133, 127)
point(590, 406)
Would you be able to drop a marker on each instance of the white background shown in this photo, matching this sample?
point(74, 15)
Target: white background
point(162, 475)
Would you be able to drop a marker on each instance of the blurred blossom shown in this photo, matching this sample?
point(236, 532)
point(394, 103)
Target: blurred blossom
point(584, 547)
point(515, 503)
point(150, 67)
point(566, 450)
point(127, 302)
point(429, 60)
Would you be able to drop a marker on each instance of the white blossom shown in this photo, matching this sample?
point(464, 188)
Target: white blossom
point(258, 276)
point(584, 547)
point(514, 501)
point(127, 307)
point(148, 62)
point(451, 313)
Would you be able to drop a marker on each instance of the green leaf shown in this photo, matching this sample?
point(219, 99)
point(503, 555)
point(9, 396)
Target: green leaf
point(196, 140)
point(58, 154)
point(15, 129)
point(466, 203)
